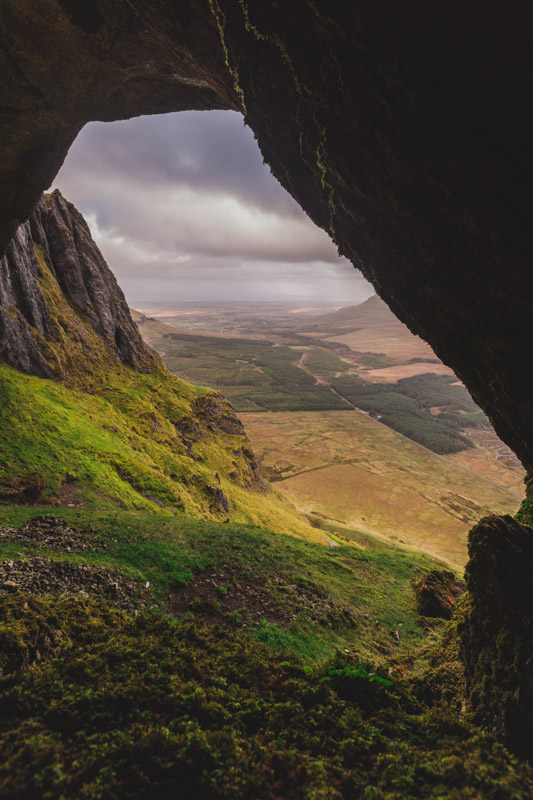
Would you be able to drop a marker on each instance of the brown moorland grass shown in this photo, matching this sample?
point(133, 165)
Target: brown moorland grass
point(399, 371)
point(493, 459)
point(349, 470)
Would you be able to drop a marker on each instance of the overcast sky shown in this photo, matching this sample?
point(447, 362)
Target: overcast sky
point(184, 209)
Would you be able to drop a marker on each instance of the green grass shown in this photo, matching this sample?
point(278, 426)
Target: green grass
point(123, 448)
point(211, 705)
point(319, 596)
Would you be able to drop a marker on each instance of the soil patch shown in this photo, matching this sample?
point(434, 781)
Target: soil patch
point(42, 576)
point(71, 496)
point(254, 599)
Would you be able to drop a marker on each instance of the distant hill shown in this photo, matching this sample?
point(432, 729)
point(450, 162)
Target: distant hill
point(370, 314)
point(370, 327)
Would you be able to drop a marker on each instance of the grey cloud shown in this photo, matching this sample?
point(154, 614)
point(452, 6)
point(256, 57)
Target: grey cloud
point(211, 151)
point(182, 205)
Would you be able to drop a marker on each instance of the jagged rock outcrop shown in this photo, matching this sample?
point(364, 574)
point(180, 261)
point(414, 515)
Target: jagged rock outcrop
point(402, 128)
point(497, 633)
point(56, 292)
point(117, 427)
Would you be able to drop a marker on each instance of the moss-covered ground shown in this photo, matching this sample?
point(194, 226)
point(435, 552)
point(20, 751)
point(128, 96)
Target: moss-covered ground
point(303, 692)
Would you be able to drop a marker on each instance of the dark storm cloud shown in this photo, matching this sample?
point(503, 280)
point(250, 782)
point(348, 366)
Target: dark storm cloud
point(179, 201)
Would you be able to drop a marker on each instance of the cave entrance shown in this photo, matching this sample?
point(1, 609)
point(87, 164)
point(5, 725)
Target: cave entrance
point(373, 438)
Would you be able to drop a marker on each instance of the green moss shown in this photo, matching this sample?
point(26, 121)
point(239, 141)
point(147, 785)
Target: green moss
point(220, 19)
point(525, 512)
point(146, 707)
point(496, 645)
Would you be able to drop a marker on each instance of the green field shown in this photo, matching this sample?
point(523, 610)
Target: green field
point(253, 374)
point(264, 375)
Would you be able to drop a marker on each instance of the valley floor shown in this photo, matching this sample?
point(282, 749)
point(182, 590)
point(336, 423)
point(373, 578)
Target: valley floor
point(361, 480)
point(299, 381)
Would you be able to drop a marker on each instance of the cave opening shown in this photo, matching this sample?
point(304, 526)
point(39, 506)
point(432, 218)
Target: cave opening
point(204, 239)
point(401, 129)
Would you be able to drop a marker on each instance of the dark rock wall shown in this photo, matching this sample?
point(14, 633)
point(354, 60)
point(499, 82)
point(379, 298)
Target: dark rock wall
point(400, 127)
point(23, 313)
point(497, 634)
point(408, 139)
point(57, 237)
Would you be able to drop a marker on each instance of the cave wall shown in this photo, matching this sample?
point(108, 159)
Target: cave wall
point(400, 127)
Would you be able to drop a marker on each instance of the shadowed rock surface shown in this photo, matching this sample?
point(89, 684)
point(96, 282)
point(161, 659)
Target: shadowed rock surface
point(497, 635)
point(437, 594)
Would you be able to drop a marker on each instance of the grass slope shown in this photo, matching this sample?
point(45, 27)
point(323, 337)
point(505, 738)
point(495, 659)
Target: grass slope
point(308, 598)
point(121, 447)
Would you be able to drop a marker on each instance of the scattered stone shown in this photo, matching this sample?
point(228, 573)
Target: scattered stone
point(53, 533)
point(42, 576)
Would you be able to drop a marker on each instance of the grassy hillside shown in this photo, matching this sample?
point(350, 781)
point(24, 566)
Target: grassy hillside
point(145, 442)
point(247, 665)
point(107, 435)
point(281, 591)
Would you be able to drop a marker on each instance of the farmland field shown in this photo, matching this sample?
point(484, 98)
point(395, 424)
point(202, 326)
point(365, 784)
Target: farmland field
point(380, 446)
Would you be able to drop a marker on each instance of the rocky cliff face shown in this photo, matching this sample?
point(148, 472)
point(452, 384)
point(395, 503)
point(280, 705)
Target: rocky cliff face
point(43, 333)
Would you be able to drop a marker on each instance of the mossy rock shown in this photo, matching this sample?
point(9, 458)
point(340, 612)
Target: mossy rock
point(437, 593)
